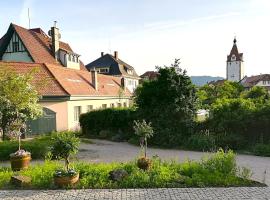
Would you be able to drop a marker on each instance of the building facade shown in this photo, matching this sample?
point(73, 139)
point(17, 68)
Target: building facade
point(65, 86)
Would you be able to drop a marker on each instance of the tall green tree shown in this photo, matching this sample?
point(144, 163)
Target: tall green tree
point(18, 99)
point(169, 102)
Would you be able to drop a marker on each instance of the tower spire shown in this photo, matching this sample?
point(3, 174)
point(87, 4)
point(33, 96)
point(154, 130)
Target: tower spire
point(234, 40)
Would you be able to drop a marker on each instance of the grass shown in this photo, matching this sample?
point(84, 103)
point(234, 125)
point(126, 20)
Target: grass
point(37, 146)
point(219, 170)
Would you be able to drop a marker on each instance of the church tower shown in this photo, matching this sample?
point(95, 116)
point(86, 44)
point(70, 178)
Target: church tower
point(235, 64)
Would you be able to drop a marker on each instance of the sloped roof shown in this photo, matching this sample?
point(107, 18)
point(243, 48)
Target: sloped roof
point(150, 75)
point(117, 66)
point(44, 81)
point(234, 51)
point(36, 41)
point(61, 81)
point(217, 82)
point(253, 80)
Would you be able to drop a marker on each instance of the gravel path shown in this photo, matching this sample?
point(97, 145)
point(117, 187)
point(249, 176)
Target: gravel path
point(107, 151)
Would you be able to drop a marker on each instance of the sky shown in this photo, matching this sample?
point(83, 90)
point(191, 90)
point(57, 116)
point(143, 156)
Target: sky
point(149, 33)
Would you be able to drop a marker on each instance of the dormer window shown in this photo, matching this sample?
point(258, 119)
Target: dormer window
point(103, 70)
point(129, 71)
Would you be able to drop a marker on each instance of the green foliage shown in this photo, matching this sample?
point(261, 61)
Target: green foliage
point(64, 144)
point(261, 149)
point(37, 146)
point(214, 171)
point(18, 99)
point(169, 102)
point(209, 94)
point(112, 121)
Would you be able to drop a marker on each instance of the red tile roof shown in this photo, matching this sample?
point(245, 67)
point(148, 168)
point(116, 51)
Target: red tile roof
point(60, 81)
point(38, 44)
point(253, 80)
point(151, 75)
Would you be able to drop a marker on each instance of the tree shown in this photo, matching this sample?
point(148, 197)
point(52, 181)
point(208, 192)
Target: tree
point(18, 99)
point(64, 145)
point(145, 131)
point(209, 94)
point(169, 102)
point(257, 93)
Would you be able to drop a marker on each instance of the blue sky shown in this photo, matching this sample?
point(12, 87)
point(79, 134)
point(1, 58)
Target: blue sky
point(147, 33)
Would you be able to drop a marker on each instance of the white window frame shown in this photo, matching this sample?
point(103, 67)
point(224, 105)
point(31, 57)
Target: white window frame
point(77, 113)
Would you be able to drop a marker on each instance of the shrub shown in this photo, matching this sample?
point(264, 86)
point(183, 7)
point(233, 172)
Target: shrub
point(261, 149)
point(37, 146)
point(64, 145)
point(203, 141)
point(108, 122)
point(216, 170)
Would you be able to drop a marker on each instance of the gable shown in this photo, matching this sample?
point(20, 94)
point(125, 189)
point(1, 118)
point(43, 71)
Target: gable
point(15, 50)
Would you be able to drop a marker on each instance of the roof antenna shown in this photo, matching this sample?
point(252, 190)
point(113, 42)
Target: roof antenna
point(29, 18)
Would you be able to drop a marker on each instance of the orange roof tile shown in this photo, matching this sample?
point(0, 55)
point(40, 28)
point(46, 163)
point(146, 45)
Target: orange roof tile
point(61, 81)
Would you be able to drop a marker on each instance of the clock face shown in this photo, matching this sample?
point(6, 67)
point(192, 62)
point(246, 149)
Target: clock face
point(233, 58)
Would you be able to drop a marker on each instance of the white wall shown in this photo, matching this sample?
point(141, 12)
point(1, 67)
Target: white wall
point(235, 70)
point(131, 84)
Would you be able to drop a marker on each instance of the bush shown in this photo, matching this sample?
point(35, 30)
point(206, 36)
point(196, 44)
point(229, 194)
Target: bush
point(107, 123)
point(217, 170)
point(38, 147)
point(261, 149)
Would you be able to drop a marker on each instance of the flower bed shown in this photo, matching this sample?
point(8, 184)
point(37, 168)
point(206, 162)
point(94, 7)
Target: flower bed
point(219, 170)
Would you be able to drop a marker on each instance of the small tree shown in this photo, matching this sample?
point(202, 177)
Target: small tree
point(64, 145)
point(18, 99)
point(145, 131)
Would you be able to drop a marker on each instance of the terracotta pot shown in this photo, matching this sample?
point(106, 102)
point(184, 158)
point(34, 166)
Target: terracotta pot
point(66, 180)
point(20, 162)
point(144, 163)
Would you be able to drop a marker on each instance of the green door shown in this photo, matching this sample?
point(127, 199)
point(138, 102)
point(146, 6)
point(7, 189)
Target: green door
point(44, 124)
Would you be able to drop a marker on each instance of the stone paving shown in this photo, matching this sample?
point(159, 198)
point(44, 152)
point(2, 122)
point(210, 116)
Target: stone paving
point(255, 193)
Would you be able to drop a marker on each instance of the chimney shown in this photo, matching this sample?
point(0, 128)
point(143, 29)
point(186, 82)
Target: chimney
point(55, 35)
point(102, 54)
point(123, 83)
point(116, 55)
point(94, 78)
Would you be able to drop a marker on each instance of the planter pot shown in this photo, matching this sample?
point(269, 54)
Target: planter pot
point(19, 162)
point(66, 180)
point(144, 163)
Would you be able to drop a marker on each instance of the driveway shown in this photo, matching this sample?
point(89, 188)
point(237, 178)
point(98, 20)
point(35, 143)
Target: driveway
point(107, 151)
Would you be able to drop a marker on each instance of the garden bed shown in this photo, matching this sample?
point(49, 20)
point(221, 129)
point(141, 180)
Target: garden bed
point(219, 170)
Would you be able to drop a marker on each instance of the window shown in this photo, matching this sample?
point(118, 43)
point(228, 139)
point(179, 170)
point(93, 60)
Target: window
point(73, 58)
point(77, 113)
point(89, 108)
point(104, 106)
point(125, 104)
point(112, 105)
point(119, 105)
point(268, 82)
point(104, 70)
point(15, 46)
point(69, 57)
point(264, 82)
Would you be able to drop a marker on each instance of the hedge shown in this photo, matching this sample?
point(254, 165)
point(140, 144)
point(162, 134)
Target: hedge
point(107, 123)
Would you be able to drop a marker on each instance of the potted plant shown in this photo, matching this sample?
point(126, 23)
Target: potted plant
point(63, 146)
point(21, 158)
point(145, 131)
